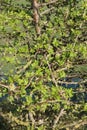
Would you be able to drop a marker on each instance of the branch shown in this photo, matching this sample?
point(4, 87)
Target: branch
point(62, 112)
point(52, 101)
point(75, 124)
point(81, 24)
point(82, 123)
point(67, 83)
point(12, 118)
point(45, 4)
point(3, 85)
point(24, 67)
point(52, 75)
point(75, 83)
point(46, 11)
point(32, 118)
point(85, 80)
point(36, 16)
point(30, 81)
point(15, 6)
point(61, 93)
point(10, 87)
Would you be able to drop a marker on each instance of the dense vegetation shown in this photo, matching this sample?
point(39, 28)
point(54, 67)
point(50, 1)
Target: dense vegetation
point(43, 49)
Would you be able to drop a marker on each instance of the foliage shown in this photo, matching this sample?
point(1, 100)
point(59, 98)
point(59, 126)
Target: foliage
point(36, 70)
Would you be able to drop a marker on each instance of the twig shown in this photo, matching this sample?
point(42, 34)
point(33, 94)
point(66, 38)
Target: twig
point(50, 101)
point(72, 76)
point(75, 83)
point(67, 83)
point(32, 118)
point(15, 6)
point(62, 69)
point(3, 85)
point(25, 67)
point(46, 11)
point(61, 93)
point(47, 101)
point(45, 4)
point(58, 118)
point(81, 24)
point(81, 124)
point(83, 81)
point(53, 78)
point(10, 87)
point(29, 82)
point(75, 124)
point(12, 118)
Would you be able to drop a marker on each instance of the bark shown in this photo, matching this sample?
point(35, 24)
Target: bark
point(36, 16)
